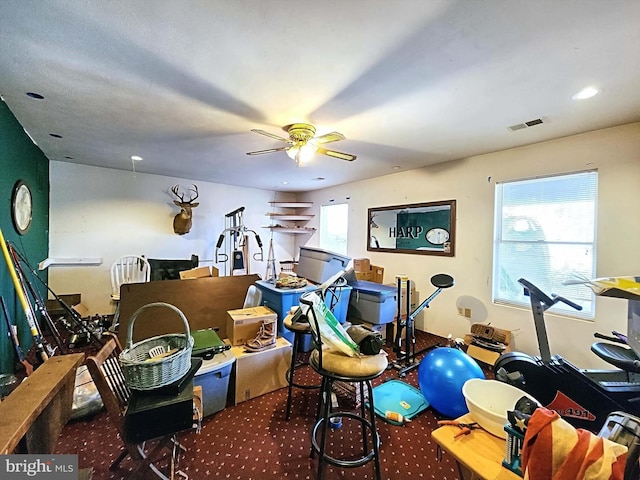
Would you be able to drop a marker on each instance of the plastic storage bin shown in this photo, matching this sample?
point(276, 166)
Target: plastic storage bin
point(372, 302)
point(213, 376)
point(318, 265)
point(280, 300)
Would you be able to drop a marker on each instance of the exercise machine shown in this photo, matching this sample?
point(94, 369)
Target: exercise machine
point(237, 231)
point(584, 398)
point(406, 359)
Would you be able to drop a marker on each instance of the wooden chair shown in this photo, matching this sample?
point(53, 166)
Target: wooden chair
point(109, 379)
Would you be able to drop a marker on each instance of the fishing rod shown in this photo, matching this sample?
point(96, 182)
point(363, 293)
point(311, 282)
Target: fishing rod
point(73, 314)
point(31, 320)
point(23, 283)
point(12, 330)
point(35, 295)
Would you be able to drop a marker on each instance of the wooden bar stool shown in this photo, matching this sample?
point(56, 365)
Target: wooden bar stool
point(360, 370)
point(301, 331)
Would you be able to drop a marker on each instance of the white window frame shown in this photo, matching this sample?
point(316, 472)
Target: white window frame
point(334, 227)
point(569, 256)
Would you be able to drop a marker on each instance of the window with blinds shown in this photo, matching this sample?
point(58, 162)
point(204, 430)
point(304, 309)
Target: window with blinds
point(545, 232)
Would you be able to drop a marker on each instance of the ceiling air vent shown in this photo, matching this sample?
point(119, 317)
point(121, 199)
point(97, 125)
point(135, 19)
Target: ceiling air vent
point(530, 123)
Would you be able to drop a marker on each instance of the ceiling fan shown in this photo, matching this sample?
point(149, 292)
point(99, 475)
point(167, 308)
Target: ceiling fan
point(302, 144)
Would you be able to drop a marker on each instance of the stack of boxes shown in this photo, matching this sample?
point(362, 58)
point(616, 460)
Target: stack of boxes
point(250, 374)
point(365, 271)
point(256, 373)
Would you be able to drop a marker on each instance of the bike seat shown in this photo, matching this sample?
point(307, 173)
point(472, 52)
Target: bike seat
point(618, 356)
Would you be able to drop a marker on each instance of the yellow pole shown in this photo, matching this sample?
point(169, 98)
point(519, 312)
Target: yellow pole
point(23, 299)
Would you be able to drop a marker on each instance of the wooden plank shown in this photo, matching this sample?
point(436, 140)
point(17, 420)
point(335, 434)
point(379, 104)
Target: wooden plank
point(291, 229)
point(479, 454)
point(292, 204)
point(40, 406)
point(204, 301)
point(286, 216)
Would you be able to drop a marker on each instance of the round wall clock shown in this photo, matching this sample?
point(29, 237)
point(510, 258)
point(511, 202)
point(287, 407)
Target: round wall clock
point(21, 207)
point(437, 236)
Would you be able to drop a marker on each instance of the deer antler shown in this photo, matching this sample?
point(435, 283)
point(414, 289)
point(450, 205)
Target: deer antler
point(175, 190)
point(196, 191)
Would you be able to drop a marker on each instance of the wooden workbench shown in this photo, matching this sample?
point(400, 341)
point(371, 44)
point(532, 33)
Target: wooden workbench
point(40, 406)
point(479, 454)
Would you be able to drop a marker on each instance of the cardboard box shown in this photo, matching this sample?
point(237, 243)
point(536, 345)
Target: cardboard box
point(377, 273)
point(243, 324)
point(56, 309)
point(364, 275)
point(263, 372)
point(403, 297)
point(82, 310)
point(361, 264)
point(199, 272)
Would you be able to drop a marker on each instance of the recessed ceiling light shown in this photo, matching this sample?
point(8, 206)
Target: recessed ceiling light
point(397, 167)
point(68, 157)
point(35, 95)
point(55, 135)
point(586, 93)
point(136, 158)
point(284, 182)
point(319, 179)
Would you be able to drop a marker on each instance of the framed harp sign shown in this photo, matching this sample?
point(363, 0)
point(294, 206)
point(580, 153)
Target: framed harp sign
point(418, 228)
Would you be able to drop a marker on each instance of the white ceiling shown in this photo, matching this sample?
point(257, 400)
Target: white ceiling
point(408, 82)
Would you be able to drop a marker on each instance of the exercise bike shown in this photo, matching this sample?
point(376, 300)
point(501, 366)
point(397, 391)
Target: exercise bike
point(406, 359)
point(582, 397)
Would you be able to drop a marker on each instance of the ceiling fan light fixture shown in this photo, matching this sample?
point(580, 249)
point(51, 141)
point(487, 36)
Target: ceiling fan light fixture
point(302, 144)
point(302, 152)
point(292, 152)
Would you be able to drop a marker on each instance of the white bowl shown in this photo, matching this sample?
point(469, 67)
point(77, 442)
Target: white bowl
point(488, 402)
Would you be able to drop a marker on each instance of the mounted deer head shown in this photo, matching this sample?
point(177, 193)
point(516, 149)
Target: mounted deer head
point(182, 221)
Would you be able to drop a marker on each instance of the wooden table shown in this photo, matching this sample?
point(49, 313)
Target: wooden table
point(479, 454)
point(40, 406)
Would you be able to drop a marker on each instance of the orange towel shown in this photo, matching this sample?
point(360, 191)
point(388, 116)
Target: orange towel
point(555, 450)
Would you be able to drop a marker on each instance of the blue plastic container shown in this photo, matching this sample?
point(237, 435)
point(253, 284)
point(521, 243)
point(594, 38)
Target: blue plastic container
point(280, 300)
point(372, 302)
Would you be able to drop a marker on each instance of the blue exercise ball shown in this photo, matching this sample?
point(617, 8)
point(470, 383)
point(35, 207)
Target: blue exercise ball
point(441, 375)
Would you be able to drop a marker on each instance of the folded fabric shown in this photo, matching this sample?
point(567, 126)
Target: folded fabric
point(555, 450)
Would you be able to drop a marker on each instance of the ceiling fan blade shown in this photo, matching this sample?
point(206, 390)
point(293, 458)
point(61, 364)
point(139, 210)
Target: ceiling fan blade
point(277, 137)
point(329, 137)
point(340, 155)
point(270, 150)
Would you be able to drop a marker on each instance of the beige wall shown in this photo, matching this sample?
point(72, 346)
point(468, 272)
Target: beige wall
point(105, 213)
point(614, 152)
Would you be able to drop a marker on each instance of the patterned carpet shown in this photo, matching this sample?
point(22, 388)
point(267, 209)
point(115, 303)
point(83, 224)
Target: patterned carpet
point(254, 441)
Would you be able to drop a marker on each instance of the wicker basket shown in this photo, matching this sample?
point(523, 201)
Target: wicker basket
point(142, 373)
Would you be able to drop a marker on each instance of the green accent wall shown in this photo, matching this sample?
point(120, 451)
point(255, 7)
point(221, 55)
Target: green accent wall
point(20, 159)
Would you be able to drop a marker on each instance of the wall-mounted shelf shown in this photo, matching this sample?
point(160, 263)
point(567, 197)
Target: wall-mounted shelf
point(290, 216)
point(285, 216)
point(291, 204)
point(285, 229)
point(68, 262)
